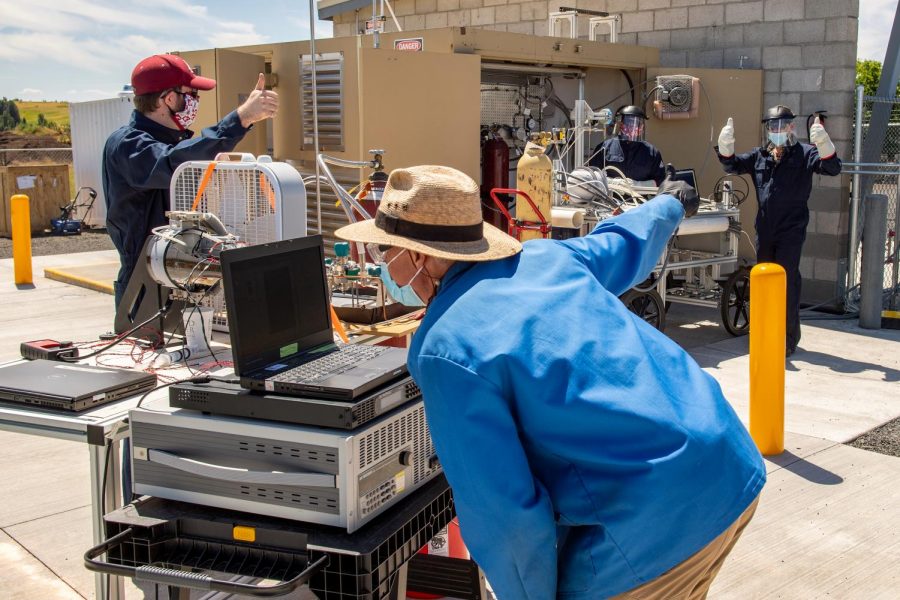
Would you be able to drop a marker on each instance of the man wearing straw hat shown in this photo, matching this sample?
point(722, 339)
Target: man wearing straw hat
point(589, 455)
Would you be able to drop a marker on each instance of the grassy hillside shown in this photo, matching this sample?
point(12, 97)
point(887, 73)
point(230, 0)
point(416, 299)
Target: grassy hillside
point(58, 112)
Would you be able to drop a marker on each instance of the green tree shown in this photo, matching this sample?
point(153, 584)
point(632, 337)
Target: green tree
point(868, 75)
point(41, 120)
point(9, 114)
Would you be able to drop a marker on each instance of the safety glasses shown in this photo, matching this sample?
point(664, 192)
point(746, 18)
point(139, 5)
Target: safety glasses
point(195, 94)
point(377, 251)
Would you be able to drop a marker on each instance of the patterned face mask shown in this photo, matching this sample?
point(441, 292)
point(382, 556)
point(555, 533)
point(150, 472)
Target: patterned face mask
point(184, 118)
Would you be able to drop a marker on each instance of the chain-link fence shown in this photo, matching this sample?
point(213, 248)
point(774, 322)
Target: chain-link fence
point(35, 156)
point(879, 177)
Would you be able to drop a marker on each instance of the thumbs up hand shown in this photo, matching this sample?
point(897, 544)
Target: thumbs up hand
point(726, 139)
point(261, 104)
point(820, 137)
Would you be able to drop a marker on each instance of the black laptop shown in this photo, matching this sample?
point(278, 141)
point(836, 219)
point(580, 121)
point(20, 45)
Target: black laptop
point(69, 386)
point(279, 320)
point(688, 176)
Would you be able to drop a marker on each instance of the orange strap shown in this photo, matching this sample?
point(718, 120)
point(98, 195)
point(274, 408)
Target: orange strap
point(338, 326)
point(270, 193)
point(207, 175)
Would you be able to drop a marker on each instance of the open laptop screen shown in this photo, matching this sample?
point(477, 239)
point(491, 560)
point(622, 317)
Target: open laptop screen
point(276, 299)
point(688, 176)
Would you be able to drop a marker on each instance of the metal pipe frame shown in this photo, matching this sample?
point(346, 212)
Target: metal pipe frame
point(322, 161)
point(854, 203)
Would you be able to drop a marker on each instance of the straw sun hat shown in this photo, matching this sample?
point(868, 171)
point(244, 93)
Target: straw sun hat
point(436, 211)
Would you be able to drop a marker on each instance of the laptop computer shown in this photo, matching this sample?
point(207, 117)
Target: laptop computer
point(279, 321)
point(69, 386)
point(688, 176)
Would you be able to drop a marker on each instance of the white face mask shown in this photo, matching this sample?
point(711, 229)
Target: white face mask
point(185, 117)
point(778, 138)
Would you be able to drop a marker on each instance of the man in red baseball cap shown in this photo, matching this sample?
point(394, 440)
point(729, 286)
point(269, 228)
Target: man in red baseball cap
point(140, 157)
point(162, 71)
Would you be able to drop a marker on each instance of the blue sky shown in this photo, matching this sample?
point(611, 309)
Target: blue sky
point(83, 50)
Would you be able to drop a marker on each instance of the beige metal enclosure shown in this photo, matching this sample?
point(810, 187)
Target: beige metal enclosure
point(431, 106)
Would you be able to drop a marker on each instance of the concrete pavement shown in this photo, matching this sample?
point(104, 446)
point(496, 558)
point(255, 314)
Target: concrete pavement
point(828, 524)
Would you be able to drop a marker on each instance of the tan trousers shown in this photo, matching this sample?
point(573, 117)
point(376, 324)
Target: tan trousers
point(691, 579)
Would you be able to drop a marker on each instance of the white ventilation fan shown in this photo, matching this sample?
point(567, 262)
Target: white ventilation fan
point(256, 199)
point(677, 97)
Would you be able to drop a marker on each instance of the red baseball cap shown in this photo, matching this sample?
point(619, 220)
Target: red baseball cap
point(163, 71)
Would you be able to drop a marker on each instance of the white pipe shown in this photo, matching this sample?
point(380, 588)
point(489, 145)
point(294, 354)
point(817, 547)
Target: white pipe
point(699, 224)
point(563, 216)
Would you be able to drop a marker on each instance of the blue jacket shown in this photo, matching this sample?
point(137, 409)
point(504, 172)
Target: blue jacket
point(587, 452)
point(138, 162)
point(640, 161)
point(782, 188)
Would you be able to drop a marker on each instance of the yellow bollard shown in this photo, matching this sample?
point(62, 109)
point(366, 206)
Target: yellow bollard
point(21, 238)
point(768, 286)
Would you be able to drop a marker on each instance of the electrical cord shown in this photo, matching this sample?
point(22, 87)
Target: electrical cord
point(200, 378)
point(161, 312)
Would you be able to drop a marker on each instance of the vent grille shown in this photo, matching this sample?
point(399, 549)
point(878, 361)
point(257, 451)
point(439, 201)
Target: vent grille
point(675, 93)
point(333, 216)
point(410, 428)
point(286, 450)
point(364, 412)
point(272, 495)
point(329, 100)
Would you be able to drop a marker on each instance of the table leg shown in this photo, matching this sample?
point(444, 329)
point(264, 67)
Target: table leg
point(108, 499)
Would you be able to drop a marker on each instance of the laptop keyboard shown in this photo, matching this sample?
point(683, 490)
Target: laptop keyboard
point(335, 363)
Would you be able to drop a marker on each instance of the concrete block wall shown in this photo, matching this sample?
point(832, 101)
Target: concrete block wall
point(807, 49)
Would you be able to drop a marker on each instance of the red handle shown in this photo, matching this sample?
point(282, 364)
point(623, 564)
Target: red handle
point(515, 192)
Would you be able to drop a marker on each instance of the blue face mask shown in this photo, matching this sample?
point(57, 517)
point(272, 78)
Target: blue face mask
point(405, 294)
point(779, 138)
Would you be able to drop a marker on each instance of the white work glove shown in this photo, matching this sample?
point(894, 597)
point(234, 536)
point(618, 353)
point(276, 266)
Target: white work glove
point(726, 139)
point(819, 137)
point(260, 105)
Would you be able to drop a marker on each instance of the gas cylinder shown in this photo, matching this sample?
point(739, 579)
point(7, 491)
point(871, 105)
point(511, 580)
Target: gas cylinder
point(494, 174)
point(534, 176)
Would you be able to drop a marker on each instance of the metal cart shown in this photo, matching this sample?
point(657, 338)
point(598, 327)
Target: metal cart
point(714, 279)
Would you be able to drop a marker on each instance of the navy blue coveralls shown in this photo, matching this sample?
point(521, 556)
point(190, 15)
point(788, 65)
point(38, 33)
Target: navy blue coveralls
point(138, 162)
point(640, 161)
point(782, 189)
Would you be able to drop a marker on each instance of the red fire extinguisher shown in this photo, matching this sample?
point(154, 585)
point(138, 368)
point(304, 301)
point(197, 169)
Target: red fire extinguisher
point(494, 174)
point(448, 542)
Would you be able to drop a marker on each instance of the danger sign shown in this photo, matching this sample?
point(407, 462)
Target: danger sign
point(410, 45)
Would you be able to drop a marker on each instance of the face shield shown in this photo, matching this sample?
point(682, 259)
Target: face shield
point(632, 128)
point(780, 132)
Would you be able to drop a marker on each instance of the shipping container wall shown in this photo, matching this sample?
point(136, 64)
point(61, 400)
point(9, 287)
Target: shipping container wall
point(91, 123)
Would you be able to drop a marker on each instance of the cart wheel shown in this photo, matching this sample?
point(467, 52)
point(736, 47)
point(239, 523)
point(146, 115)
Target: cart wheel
point(646, 305)
point(735, 302)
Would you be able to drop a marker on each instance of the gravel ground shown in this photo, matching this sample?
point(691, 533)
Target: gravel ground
point(884, 439)
point(45, 245)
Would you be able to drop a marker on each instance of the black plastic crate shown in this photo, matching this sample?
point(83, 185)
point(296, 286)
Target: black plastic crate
point(360, 566)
